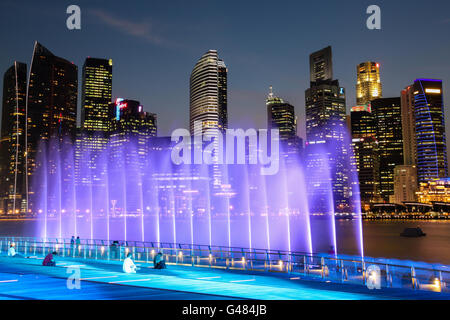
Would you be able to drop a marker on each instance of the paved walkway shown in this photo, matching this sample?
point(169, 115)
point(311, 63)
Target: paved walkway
point(28, 279)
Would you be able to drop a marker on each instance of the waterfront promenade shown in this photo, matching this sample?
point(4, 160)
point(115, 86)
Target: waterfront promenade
point(26, 278)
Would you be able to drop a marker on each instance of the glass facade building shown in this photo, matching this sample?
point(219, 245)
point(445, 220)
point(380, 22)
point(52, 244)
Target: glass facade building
point(132, 125)
point(325, 134)
point(12, 149)
point(281, 116)
point(208, 93)
point(409, 126)
point(321, 65)
point(51, 114)
point(222, 81)
point(365, 149)
point(208, 102)
point(96, 117)
point(368, 83)
point(388, 123)
point(131, 131)
point(430, 130)
point(130, 120)
point(96, 95)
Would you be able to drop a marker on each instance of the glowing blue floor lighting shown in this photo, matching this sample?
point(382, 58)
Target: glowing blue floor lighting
point(27, 279)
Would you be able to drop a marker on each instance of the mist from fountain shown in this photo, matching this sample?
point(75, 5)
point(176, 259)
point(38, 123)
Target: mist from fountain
point(122, 193)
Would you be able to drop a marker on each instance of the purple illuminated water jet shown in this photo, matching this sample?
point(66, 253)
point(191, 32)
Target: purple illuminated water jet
point(116, 193)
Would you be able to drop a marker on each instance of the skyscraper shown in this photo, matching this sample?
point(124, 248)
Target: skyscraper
point(368, 83)
point(325, 132)
point(208, 102)
point(365, 148)
point(132, 124)
point(430, 130)
point(388, 123)
point(208, 93)
point(95, 118)
point(408, 126)
point(132, 129)
point(281, 116)
point(223, 97)
point(321, 65)
point(51, 109)
point(12, 161)
point(52, 97)
point(96, 95)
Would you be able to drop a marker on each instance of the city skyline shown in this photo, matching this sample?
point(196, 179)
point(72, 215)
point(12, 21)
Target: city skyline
point(247, 90)
point(223, 150)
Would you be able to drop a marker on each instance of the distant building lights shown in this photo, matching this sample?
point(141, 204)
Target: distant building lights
point(432, 90)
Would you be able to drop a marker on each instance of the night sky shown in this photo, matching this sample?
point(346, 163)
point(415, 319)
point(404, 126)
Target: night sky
point(155, 44)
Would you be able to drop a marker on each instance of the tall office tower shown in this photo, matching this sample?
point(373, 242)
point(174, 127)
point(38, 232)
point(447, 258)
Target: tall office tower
point(408, 126)
point(321, 65)
point(430, 130)
point(12, 161)
point(368, 83)
point(132, 124)
point(96, 95)
point(208, 103)
point(95, 117)
point(208, 93)
point(325, 134)
point(365, 149)
point(388, 123)
point(51, 111)
point(131, 121)
point(281, 116)
point(131, 131)
point(223, 96)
